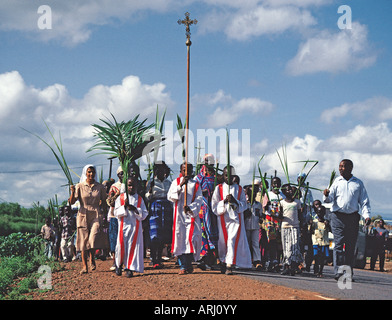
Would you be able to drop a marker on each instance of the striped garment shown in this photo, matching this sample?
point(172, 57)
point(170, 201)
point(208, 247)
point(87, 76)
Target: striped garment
point(209, 227)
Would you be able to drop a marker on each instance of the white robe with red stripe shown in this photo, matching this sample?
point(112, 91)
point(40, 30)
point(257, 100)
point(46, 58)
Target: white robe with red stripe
point(186, 228)
point(129, 247)
point(233, 246)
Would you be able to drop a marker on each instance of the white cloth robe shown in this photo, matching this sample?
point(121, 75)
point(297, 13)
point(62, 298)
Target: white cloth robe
point(233, 248)
point(186, 228)
point(129, 246)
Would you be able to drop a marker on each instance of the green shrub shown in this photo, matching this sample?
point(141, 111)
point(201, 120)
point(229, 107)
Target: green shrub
point(20, 244)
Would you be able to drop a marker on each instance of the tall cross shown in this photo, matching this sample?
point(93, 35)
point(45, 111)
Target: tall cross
point(187, 22)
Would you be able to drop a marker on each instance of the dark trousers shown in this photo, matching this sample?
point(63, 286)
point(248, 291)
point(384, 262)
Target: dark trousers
point(156, 247)
point(378, 251)
point(345, 232)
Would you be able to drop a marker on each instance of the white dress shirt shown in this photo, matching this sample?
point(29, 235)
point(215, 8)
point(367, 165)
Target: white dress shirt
point(348, 196)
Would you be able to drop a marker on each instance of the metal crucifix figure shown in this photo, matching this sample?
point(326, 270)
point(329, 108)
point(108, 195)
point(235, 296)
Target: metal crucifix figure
point(187, 22)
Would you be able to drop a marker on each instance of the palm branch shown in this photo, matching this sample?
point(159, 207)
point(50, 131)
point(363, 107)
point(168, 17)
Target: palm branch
point(332, 178)
point(127, 141)
point(284, 163)
point(59, 156)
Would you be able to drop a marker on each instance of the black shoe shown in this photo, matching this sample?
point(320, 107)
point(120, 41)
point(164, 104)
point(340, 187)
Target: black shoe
point(119, 270)
point(285, 272)
point(128, 273)
point(222, 267)
point(202, 266)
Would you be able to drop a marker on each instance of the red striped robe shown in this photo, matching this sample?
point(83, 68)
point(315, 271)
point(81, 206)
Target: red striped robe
point(233, 246)
point(129, 247)
point(186, 229)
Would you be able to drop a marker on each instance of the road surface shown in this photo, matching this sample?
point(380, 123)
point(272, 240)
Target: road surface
point(367, 285)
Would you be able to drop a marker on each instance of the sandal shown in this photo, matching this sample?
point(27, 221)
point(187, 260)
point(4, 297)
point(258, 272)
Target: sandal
point(83, 271)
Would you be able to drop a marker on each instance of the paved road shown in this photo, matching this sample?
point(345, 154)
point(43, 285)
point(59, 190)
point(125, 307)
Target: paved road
point(367, 285)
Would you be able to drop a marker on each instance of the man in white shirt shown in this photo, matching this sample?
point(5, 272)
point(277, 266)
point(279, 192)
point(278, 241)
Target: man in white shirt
point(347, 195)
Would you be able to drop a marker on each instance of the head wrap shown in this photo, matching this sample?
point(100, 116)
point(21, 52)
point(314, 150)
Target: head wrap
point(301, 175)
point(83, 177)
point(119, 169)
point(209, 159)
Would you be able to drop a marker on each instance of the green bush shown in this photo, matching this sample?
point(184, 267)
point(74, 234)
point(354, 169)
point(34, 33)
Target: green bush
point(20, 244)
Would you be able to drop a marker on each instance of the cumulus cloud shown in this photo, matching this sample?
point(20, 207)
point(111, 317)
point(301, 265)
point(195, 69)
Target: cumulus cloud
point(250, 22)
point(374, 139)
point(27, 107)
point(227, 110)
point(376, 108)
point(72, 19)
point(342, 51)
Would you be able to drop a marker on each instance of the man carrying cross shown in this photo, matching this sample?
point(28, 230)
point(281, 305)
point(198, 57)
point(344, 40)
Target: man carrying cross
point(186, 239)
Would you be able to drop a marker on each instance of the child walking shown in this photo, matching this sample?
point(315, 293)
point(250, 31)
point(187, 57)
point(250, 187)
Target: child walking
point(320, 228)
point(289, 213)
point(130, 210)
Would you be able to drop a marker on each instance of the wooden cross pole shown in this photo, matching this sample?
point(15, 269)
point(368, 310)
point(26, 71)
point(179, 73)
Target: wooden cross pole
point(187, 22)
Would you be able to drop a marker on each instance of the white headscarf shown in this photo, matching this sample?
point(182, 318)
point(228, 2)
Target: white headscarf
point(83, 177)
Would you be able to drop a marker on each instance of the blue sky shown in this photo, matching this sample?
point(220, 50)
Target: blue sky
point(279, 71)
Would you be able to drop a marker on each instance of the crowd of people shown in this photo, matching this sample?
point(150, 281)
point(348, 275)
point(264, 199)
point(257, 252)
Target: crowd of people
point(209, 220)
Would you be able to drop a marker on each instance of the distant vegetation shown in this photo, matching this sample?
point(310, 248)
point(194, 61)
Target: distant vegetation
point(14, 218)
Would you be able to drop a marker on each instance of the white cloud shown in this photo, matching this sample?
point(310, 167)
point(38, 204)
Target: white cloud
point(345, 50)
point(254, 21)
point(228, 110)
point(72, 19)
point(376, 109)
point(27, 107)
point(374, 139)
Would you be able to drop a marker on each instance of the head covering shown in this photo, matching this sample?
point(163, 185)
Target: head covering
point(119, 169)
point(83, 177)
point(209, 158)
point(301, 175)
point(256, 181)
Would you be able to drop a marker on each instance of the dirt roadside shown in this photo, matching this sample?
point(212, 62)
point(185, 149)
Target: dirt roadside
point(162, 284)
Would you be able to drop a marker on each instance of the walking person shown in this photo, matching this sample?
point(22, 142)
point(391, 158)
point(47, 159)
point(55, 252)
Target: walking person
point(209, 226)
point(186, 238)
point(251, 218)
point(229, 205)
point(348, 197)
point(380, 239)
point(48, 234)
point(160, 213)
point(91, 194)
point(130, 210)
point(290, 214)
point(320, 228)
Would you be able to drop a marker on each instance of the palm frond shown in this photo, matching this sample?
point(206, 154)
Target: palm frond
point(60, 156)
point(228, 170)
point(332, 178)
point(284, 162)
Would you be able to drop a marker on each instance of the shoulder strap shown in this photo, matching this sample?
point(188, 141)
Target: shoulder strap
point(139, 201)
